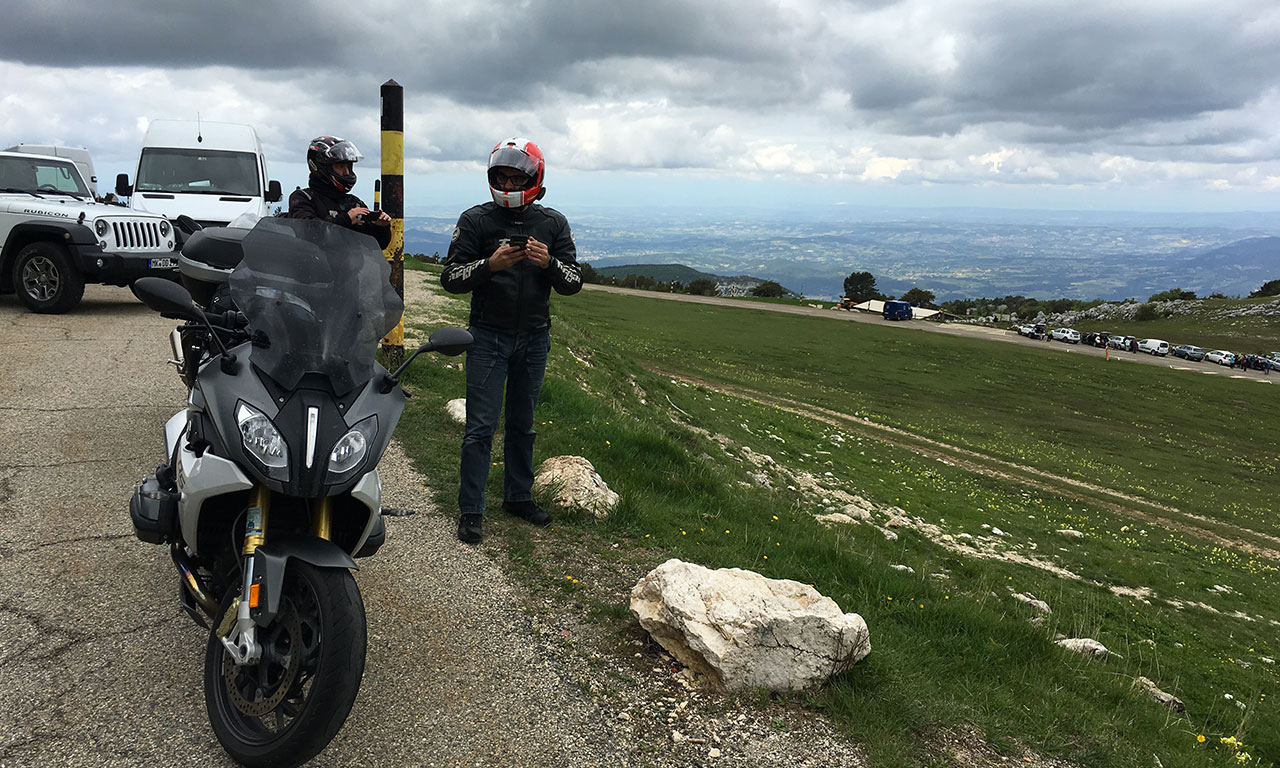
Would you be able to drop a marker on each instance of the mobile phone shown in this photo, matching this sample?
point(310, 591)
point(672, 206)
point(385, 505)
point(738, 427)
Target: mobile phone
point(518, 241)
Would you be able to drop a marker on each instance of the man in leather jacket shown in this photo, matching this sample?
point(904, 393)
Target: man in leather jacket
point(328, 194)
point(509, 253)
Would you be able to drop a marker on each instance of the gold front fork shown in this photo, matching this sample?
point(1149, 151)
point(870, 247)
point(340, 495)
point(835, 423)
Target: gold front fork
point(255, 523)
point(322, 518)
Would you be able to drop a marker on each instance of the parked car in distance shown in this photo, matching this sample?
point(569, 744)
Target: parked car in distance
point(1158, 347)
point(1119, 342)
point(1220, 356)
point(1068, 335)
point(1188, 352)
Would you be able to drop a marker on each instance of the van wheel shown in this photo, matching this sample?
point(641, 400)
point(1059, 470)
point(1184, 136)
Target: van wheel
point(45, 279)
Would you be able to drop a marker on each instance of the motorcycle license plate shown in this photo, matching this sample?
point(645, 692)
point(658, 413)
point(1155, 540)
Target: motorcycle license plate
point(164, 263)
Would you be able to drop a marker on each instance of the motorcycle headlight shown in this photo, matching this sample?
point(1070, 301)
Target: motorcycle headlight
point(350, 450)
point(260, 437)
point(100, 226)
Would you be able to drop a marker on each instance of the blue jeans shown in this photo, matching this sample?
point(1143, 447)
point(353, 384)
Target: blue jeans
point(496, 360)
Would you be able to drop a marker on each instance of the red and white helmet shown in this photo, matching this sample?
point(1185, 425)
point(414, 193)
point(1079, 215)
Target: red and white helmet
point(521, 155)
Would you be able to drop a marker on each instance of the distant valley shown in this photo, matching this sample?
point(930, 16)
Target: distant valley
point(956, 253)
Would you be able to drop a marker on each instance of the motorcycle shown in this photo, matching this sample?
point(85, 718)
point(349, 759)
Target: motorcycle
point(270, 489)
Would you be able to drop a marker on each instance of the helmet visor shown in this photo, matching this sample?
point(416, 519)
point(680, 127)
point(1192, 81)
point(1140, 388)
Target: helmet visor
point(343, 152)
point(510, 157)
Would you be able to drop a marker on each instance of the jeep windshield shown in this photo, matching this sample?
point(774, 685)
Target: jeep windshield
point(38, 175)
point(199, 172)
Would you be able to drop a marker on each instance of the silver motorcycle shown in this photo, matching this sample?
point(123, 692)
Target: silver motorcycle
point(270, 487)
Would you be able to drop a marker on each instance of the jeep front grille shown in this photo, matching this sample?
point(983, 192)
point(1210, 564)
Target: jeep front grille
point(137, 235)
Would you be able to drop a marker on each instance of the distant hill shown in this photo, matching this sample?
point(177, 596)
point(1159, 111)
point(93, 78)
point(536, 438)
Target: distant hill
point(665, 273)
point(1250, 253)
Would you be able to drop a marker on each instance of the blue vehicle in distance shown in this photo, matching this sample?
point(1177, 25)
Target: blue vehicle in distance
point(897, 310)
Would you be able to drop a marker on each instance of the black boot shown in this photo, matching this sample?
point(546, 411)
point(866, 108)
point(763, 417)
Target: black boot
point(528, 511)
point(469, 530)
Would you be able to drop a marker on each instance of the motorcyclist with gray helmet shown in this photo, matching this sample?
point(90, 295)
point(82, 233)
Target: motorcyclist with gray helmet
point(328, 194)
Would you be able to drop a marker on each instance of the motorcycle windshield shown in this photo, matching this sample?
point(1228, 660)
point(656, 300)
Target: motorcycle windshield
point(318, 298)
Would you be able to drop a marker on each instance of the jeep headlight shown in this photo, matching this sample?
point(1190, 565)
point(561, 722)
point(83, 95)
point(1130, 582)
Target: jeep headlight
point(164, 228)
point(260, 437)
point(350, 450)
point(100, 226)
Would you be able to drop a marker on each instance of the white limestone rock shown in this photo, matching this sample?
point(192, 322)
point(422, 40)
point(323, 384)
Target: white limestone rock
point(835, 518)
point(574, 484)
point(856, 510)
point(1159, 696)
point(457, 410)
point(1086, 646)
point(744, 631)
point(1031, 600)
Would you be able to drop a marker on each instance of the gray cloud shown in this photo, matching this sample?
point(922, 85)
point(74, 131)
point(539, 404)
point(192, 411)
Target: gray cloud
point(883, 90)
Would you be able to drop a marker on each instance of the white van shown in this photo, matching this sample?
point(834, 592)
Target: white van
point(1154, 347)
point(212, 172)
point(77, 155)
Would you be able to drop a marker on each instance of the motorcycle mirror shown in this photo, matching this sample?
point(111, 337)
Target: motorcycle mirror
point(448, 341)
point(167, 297)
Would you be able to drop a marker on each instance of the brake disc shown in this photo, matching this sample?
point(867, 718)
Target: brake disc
point(265, 701)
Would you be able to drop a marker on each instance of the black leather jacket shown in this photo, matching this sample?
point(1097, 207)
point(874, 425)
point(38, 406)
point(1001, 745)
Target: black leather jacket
point(516, 298)
point(323, 201)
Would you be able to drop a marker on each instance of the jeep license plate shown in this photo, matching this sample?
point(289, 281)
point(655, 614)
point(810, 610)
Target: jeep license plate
point(164, 263)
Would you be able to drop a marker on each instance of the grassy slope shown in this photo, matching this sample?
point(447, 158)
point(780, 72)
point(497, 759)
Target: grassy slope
point(952, 651)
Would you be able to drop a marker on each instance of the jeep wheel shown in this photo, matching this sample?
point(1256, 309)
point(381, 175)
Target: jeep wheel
point(45, 279)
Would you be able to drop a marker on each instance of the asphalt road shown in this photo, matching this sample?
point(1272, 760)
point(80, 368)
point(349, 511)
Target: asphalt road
point(953, 329)
point(99, 667)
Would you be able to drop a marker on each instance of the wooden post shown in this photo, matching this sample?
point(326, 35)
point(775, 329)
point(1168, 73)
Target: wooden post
point(392, 192)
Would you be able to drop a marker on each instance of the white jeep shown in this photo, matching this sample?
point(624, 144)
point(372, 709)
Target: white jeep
point(54, 237)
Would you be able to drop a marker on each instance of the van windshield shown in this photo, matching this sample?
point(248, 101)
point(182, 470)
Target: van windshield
point(198, 171)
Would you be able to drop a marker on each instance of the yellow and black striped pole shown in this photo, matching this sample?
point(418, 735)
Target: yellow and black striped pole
point(392, 192)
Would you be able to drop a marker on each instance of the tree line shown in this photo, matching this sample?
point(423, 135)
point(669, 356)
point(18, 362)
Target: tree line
point(768, 289)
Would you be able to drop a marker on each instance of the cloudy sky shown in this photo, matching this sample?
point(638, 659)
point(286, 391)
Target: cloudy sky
point(1115, 105)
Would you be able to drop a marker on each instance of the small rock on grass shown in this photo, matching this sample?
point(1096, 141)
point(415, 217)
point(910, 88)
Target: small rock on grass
point(1159, 696)
point(1087, 646)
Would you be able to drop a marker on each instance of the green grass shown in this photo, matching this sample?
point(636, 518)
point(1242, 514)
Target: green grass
point(946, 652)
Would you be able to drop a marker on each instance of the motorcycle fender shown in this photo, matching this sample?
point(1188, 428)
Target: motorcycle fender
point(368, 491)
point(271, 560)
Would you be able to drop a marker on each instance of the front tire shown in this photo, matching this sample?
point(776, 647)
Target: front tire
point(45, 279)
point(283, 710)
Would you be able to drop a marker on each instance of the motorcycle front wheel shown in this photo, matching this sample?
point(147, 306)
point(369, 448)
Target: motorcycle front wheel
point(283, 710)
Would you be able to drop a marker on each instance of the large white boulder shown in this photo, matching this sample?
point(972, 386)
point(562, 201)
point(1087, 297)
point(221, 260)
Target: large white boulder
point(574, 484)
point(457, 410)
point(744, 631)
